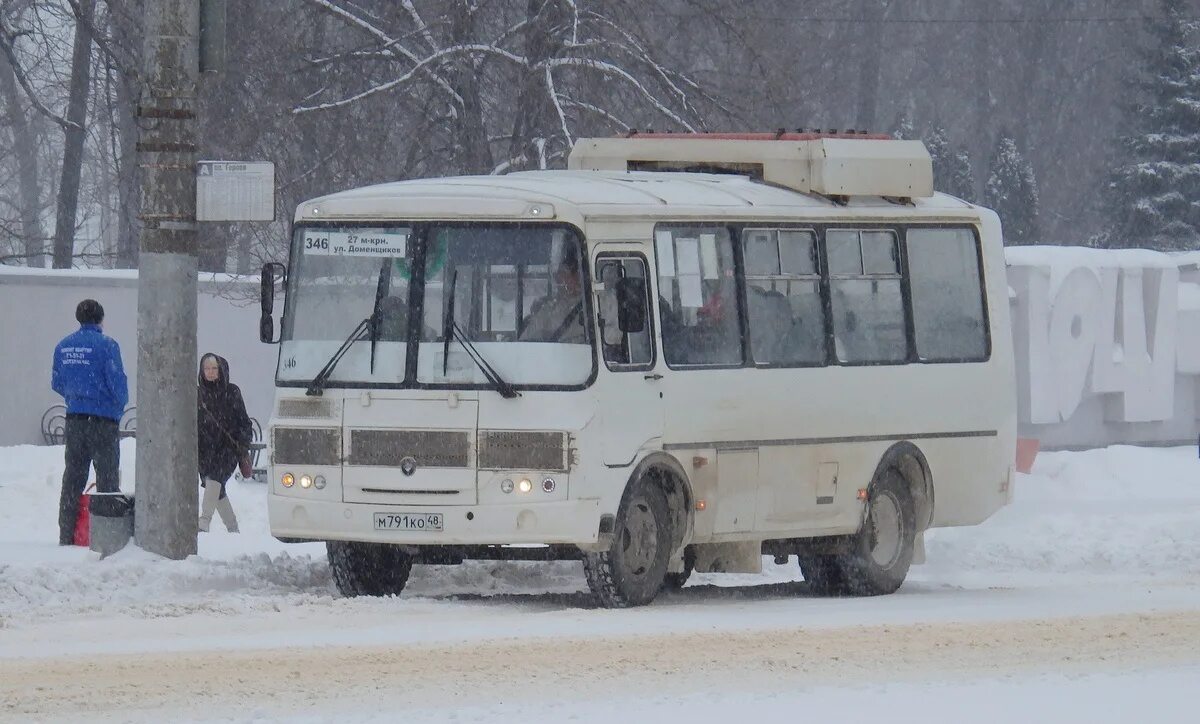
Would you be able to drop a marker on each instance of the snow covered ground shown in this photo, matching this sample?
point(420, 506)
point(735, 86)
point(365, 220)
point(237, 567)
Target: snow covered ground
point(1079, 602)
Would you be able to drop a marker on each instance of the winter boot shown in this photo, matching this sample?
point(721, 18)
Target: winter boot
point(208, 504)
point(225, 508)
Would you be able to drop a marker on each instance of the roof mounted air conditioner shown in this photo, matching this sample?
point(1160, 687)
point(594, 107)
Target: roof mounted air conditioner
point(831, 164)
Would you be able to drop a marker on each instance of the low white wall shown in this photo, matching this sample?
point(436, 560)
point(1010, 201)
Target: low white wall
point(37, 309)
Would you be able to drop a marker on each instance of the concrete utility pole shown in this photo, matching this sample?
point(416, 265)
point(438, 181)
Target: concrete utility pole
point(166, 498)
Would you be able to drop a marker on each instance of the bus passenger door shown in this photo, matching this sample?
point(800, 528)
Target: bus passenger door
point(627, 390)
point(712, 405)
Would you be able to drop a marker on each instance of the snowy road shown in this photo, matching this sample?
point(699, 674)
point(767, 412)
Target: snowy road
point(380, 681)
point(1078, 603)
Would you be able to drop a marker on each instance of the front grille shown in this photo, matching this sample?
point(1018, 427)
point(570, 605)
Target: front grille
point(306, 445)
point(305, 408)
point(521, 450)
point(430, 448)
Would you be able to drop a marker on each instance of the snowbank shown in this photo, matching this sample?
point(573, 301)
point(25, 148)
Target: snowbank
point(1119, 513)
point(1122, 511)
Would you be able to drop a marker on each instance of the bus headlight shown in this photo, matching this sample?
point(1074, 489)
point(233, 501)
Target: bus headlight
point(548, 485)
point(319, 482)
point(306, 481)
point(525, 485)
point(288, 480)
point(506, 486)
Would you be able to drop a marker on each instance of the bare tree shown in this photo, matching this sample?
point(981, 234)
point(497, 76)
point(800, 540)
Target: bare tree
point(30, 26)
point(24, 150)
point(341, 93)
point(542, 63)
point(124, 57)
point(74, 135)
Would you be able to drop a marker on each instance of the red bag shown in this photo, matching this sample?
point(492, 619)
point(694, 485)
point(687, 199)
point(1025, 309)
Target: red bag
point(244, 466)
point(83, 520)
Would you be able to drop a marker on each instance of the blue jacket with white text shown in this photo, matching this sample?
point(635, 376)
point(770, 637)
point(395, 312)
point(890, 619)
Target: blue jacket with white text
point(89, 375)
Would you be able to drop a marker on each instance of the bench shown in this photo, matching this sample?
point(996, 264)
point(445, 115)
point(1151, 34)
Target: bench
point(54, 430)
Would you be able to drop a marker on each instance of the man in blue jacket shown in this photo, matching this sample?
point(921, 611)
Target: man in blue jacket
point(89, 375)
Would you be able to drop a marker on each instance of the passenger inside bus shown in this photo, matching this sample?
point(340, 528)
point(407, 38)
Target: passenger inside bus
point(704, 335)
point(770, 325)
point(393, 319)
point(558, 317)
point(394, 316)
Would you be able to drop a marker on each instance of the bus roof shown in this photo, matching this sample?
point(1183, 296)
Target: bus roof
point(592, 195)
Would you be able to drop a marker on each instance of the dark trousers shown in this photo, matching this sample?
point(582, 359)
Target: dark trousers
point(90, 439)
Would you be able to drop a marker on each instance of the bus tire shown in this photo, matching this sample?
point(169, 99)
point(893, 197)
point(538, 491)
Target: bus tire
point(675, 581)
point(880, 553)
point(883, 549)
point(368, 569)
point(632, 571)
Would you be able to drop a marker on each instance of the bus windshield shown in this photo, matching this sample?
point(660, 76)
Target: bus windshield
point(518, 300)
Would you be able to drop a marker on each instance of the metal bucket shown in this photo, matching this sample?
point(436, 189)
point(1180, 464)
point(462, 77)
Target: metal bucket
point(111, 522)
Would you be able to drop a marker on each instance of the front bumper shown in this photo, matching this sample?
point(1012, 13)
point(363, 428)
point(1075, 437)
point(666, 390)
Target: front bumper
point(570, 522)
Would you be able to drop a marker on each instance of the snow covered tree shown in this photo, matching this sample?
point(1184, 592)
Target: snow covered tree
point(1153, 195)
point(952, 173)
point(902, 128)
point(1011, 191)
point(959, 175)
point(504, 85)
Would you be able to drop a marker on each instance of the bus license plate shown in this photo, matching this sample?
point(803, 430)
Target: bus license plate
point(408, 521)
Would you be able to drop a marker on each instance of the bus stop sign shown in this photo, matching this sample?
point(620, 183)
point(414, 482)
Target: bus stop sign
point(235, 191)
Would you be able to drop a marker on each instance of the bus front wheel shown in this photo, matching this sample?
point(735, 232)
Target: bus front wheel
point(368, 569)
point(882, 550)
point(632, 571)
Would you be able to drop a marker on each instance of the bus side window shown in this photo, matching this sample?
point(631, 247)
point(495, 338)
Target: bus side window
point(698, 304)
point(947, 295)
point(866, 297)
point(783, 297)
point(622, 350)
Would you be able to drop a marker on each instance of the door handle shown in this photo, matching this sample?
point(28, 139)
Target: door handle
point(652, 376)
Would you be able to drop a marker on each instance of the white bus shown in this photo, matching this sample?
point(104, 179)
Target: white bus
point(685, 352)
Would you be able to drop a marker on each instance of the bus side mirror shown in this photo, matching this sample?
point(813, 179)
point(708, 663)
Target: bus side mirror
point(266, 329)
point(266, 300)
point(631, 304)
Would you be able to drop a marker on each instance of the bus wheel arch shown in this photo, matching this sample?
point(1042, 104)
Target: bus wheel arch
point(899, 505)
point(654, 504)
point(668, 474)
point(908, 460)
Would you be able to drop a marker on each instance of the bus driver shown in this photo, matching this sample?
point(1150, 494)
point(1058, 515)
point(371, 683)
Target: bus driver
point(558, 317)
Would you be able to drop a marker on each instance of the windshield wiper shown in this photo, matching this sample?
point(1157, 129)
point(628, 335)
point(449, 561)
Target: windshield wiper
point(368, 328)
point(361, 331)
point(506, 390)
point(448, 325)
point(376, 322)
point(451, 329)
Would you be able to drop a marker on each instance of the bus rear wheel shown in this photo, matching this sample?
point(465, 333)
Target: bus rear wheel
point(882, 550)
point(632, 571)
point(368, 569)
point(823, 574)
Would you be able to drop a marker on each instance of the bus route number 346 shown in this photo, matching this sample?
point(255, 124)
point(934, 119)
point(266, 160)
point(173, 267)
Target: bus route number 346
point(408, 521)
